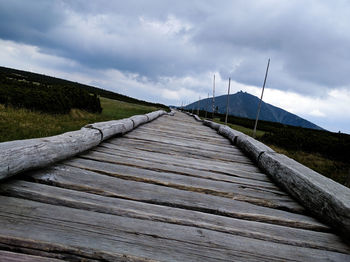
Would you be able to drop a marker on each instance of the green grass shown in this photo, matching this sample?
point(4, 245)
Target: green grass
point(335, 170)
point(245, 130)
point(18, 124)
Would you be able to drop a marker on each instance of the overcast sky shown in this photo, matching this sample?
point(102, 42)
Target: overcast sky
point(167, 51)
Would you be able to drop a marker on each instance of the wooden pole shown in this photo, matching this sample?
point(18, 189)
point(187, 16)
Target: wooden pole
point(228, 100)
point(213, 97)
point(262, 93)
point(206, 107)
point(198, 106)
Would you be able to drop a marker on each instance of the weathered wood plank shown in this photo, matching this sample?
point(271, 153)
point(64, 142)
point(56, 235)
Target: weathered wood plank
point(7, 256)
point(219, 151)
point(95, 234)
point(88, 181)
point(174, 150)
point(189, 143)
point(209, 164)
point(167, 128)
point(187, 171)
point(156, 165)
point(183, 136)
point(254, 195)
point(168, 153)
point(134, 209)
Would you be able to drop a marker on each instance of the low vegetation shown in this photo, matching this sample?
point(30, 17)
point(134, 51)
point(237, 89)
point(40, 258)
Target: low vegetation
point(23, 123)
point(36, 80)
point(34, 105)
point(58, 99)
point(325, 152)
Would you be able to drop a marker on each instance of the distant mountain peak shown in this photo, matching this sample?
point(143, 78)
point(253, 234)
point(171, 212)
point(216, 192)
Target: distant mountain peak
point(243, 104)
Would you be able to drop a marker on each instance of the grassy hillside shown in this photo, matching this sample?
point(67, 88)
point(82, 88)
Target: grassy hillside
point(22, 123)
point(34, 105)
point(16, 78)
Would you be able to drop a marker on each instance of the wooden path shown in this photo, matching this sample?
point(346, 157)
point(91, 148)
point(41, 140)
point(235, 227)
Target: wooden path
point(171, 190)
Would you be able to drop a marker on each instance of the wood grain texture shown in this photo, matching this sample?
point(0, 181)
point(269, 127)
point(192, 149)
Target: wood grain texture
point(85, 180)
point(186, 217)
point(325, 198)
point(170, 190)
point(120, 236)
point(7, 256)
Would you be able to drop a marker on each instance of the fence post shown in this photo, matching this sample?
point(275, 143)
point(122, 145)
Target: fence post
point(213, 97)
point(228, 100)
point(262, 93)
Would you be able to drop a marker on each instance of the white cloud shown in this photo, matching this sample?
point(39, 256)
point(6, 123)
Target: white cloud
point(168, 53)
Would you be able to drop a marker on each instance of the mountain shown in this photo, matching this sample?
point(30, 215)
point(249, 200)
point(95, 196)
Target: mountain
point(245, 105)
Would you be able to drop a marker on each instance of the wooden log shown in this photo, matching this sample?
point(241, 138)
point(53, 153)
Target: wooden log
point(21, 155)
point(171, 113)
point(139, 120)
point(211, 124)
point(325, 198)
point(112, 128)
point(197, 118)
point(248, 144)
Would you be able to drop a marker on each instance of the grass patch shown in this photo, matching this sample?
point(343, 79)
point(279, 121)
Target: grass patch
point(244, 130)
point(335, 170)
point(18, 124)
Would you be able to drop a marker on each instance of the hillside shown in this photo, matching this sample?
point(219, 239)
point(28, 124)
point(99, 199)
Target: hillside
point(245, 105)
point(34, 79)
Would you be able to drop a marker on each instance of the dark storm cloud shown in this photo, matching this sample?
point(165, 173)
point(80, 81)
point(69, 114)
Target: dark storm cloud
point(306, 40)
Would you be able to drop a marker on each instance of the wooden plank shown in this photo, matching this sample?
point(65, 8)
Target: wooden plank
point(189, 143)
point(254, 195)
point(184, 136)
point(216, 158)
point(7, 256)
point(222, 152)
point(100, 235)
point(186, 171)
point(169, 166)
point(209, 164)
point(91, 182)
point(140, 210)
point(224, 186)
point(166, 127)
point(173, 151)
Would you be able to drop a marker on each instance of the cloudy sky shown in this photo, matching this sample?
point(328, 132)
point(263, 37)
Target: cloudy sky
point(167, 51)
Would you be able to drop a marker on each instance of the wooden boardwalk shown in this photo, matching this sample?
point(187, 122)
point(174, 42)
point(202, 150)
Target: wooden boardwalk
point(171, 190)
